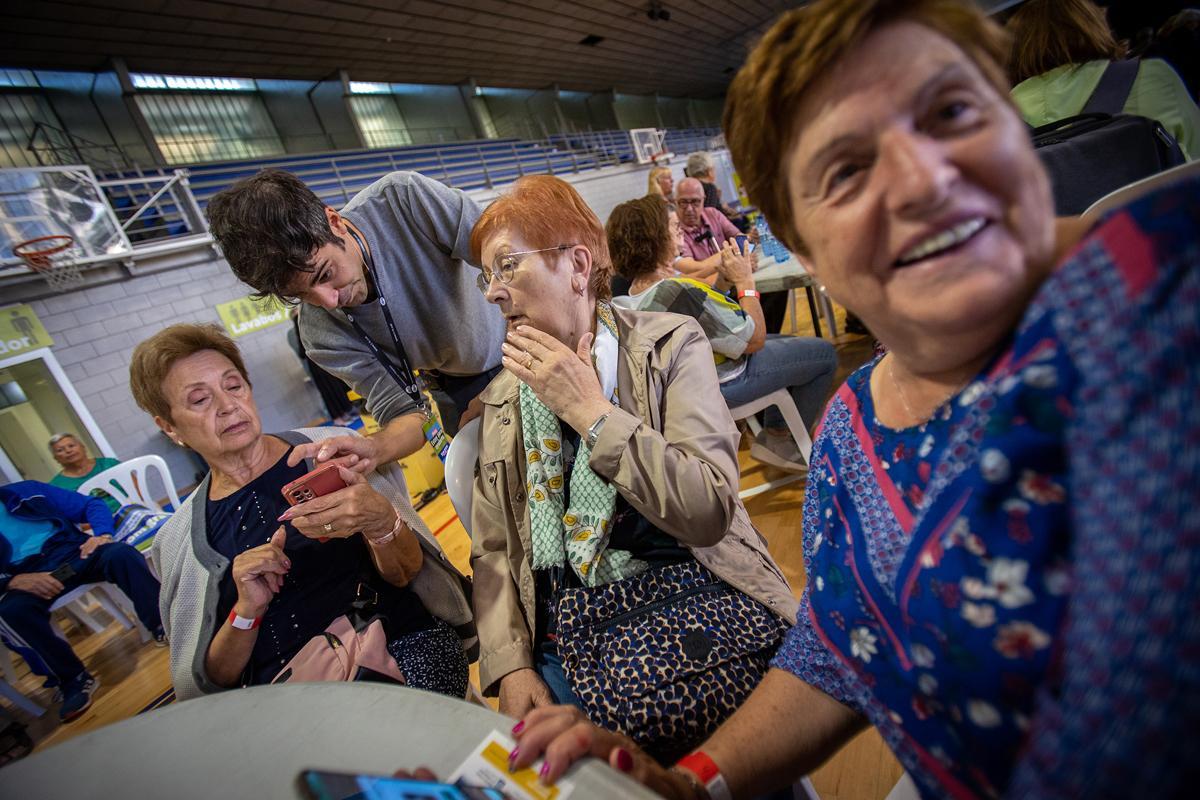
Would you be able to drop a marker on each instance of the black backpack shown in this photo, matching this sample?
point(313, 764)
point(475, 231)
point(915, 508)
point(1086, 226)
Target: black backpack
point(1100, 150)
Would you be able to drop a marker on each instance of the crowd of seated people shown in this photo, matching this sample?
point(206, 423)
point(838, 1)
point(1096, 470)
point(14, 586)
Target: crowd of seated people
point(1000, 530)
point(643, 238)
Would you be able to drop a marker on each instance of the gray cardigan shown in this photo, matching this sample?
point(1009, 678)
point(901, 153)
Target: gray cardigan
point(191, 573)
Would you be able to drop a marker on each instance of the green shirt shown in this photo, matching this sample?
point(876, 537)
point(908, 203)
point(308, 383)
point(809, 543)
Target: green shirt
point(1157, 93)
point(72, 484)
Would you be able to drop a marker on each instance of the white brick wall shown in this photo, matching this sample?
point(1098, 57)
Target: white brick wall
point(96, 329)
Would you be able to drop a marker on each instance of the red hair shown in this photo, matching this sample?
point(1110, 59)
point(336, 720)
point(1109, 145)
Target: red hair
point(547, 212)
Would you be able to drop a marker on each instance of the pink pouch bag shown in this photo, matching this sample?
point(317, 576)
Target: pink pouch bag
point(343, 653)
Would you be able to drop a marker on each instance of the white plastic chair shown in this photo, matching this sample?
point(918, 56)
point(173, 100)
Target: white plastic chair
point(110, 598)
point(791, 415)
point(127, 483)
point(1130, 192)
point(8, 686)
point(460, 470)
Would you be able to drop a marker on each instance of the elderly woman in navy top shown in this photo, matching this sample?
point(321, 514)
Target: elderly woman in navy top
point(248, 580)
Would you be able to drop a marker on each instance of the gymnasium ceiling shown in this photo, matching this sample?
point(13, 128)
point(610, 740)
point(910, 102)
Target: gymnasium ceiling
point(515, 43)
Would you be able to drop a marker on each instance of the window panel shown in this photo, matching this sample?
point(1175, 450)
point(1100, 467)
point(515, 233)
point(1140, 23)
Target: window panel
point(192, 127)
point(380, 121)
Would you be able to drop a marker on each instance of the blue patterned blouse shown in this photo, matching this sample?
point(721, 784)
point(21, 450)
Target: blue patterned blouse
point(1011, 592)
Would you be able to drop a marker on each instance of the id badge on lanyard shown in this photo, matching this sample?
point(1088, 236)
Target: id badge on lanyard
point(437, 438)
point(403, 374)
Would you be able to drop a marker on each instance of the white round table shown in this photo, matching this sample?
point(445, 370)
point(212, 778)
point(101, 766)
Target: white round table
point(252, 743)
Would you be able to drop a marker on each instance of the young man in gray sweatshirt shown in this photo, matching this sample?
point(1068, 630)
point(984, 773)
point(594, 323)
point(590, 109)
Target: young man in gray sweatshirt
point(399, 248)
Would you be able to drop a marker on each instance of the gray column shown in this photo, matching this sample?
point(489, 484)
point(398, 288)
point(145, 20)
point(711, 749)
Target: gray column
point(129, 96)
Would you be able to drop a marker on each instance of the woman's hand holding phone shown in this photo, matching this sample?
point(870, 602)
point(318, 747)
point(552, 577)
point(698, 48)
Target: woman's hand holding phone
point(736, 267)
point(345, 512)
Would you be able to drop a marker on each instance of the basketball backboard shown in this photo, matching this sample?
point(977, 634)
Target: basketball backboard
point(44, 201)
point(647, 143)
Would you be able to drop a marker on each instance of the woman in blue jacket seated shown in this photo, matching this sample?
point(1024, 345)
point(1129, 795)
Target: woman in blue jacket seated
point(44, 555)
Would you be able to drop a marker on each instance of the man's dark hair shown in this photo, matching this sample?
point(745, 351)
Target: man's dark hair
point(268, 226)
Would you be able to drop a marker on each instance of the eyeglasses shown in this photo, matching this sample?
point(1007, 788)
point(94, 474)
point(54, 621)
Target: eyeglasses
point(504, 266)
point(689, 202)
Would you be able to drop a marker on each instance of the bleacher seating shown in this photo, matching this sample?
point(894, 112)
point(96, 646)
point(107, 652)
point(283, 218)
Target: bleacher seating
point(338, 176)
point(616, 143)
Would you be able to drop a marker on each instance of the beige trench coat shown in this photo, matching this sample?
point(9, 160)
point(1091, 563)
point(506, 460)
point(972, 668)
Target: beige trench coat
point(670, 449)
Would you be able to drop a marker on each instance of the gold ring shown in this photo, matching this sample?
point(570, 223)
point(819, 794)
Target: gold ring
point(328, 526)
point(529, 363)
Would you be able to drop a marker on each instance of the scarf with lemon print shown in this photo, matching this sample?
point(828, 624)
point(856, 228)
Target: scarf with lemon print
point(577, 536)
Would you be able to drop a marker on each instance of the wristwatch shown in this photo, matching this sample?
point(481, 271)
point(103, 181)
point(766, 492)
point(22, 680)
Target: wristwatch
point(593, 432)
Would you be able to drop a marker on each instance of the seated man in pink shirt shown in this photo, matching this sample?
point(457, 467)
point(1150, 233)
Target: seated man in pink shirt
point(704, 230)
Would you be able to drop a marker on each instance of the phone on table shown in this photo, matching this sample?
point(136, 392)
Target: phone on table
point(319, 785)
point(63, 573)
point(321, 481)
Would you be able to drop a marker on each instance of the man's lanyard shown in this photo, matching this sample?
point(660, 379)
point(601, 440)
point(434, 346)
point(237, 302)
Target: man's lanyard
point(403, 373)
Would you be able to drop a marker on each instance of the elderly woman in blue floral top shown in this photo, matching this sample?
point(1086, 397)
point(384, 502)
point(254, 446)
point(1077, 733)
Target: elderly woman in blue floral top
point(1001, 526)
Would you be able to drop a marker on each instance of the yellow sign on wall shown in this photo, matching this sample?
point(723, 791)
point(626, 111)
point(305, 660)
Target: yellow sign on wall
point(246, 315)
point(21, 330)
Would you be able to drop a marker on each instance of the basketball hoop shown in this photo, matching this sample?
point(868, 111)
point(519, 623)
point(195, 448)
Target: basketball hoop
point(662, 157)
point(49, 256)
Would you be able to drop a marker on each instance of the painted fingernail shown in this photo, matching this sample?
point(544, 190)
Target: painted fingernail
point(512, 757)
point(544, 771)
point(520, 726)
point(624, 760)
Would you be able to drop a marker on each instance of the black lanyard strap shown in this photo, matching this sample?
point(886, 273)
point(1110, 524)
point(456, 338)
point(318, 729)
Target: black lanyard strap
point(402, 373)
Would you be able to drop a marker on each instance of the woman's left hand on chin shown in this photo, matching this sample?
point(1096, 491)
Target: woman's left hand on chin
point(564, 380)
point(357, 508)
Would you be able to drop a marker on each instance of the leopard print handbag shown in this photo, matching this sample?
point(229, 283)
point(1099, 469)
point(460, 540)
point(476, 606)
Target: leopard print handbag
point(665, 656)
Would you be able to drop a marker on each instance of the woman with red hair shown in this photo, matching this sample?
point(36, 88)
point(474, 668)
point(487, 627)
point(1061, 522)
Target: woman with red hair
point(614, 566)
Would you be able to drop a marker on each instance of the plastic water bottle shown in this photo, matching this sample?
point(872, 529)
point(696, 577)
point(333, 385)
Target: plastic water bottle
point(766, 242)
point(781, 253)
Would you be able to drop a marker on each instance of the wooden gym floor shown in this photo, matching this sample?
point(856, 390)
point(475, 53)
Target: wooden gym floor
point(134, 676)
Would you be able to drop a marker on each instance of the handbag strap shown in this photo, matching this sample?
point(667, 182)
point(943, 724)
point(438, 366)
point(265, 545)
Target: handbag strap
point(1116, 83)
